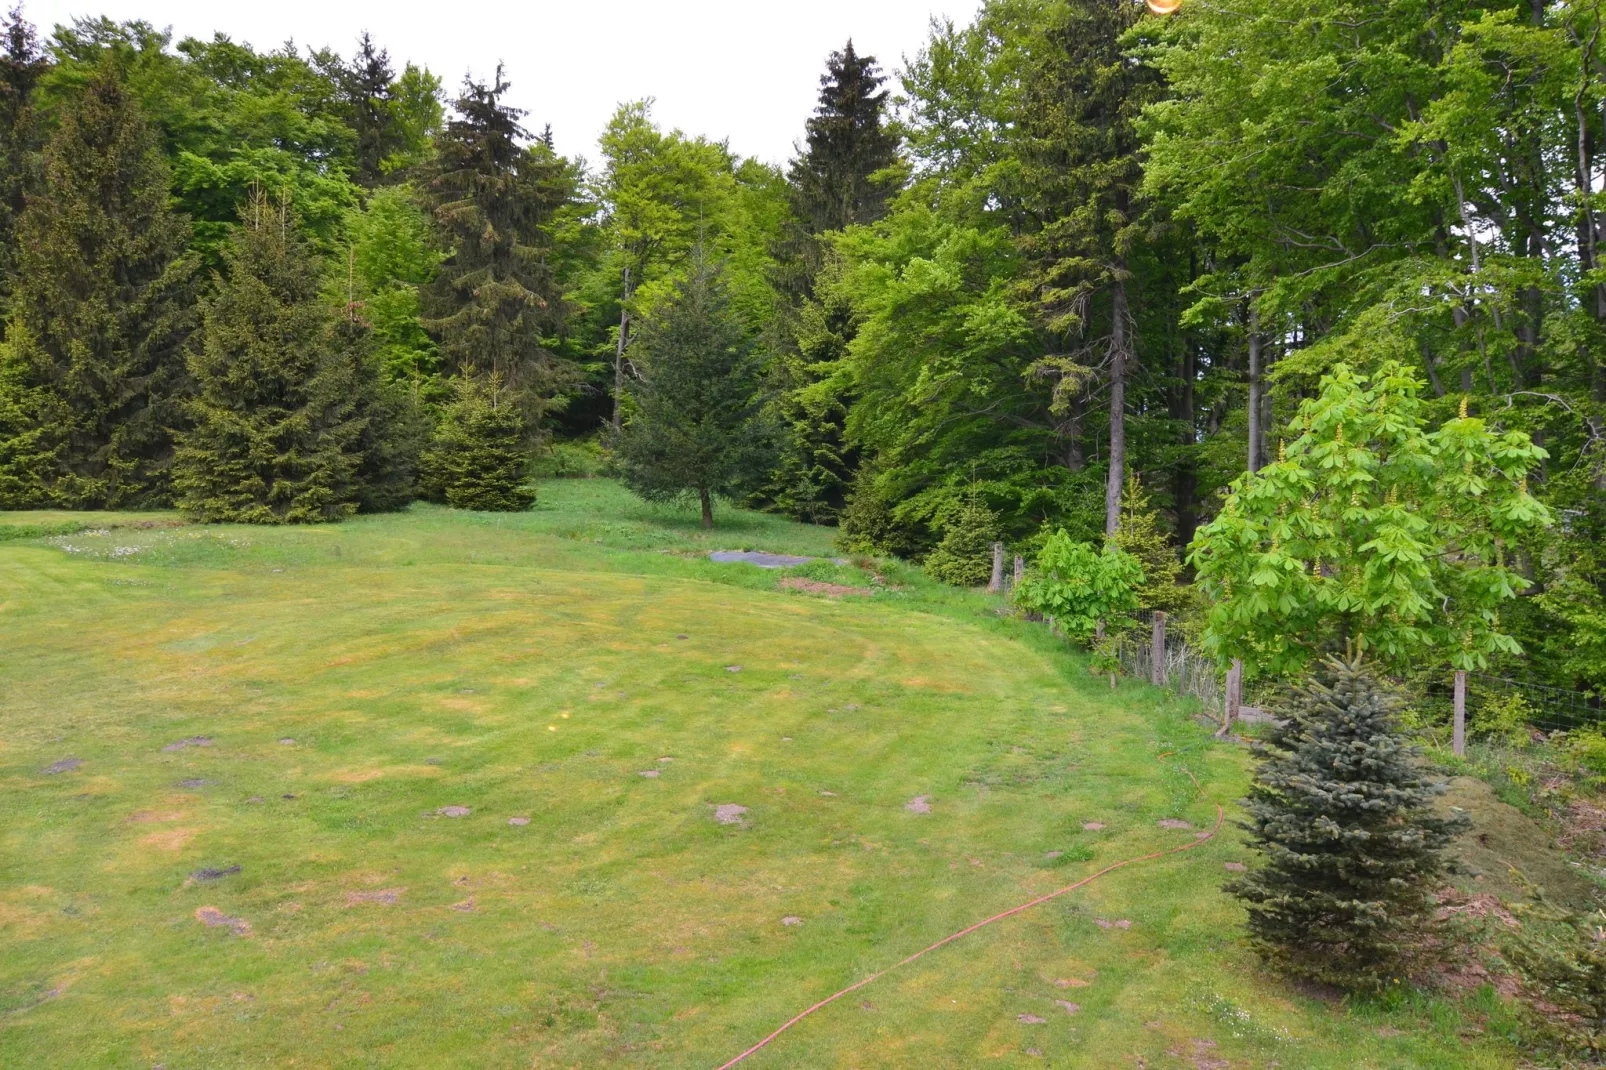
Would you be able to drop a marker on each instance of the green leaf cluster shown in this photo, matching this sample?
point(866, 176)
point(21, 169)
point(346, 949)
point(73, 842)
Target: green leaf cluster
point(1371, 532)
point(1081, 588)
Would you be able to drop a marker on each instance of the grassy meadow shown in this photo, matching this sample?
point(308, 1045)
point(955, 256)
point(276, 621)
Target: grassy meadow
point(230, 761)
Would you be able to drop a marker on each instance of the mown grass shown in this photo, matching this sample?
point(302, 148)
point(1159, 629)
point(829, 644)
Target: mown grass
point(354, 680)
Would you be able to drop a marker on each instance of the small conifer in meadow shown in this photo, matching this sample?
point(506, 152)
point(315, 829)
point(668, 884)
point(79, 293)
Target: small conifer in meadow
point(479, 458)
point(964, 557)
point(1342, 814)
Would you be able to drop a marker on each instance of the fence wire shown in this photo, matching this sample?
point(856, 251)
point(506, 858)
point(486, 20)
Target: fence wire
point(1187, 670)
point(1494, 703)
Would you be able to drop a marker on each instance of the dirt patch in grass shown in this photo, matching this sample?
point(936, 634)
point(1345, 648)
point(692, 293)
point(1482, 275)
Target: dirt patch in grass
point(833, 590)
point(356, 776)
point(213, 918)
point(65, 765)
point(454, 811)
point(1094, 826)
point(193, 741)
point(214, 874)
point(518, 821)
point(385, 897)
point(169, 839)
point(729, 814)
point(1175, 823)
point(920, 804)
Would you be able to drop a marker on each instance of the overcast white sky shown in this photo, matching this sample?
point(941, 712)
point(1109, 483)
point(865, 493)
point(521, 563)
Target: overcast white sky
point(743, 69)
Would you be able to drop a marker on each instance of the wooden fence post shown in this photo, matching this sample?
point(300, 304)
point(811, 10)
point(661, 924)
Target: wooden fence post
point(996, 584)
point(1459, 743)
point(1235, 690)
point(1157, 651)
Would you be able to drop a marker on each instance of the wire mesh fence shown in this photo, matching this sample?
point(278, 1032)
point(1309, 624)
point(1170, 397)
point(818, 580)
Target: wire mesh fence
point(1187, 670)
point(1494, 704)
point(1497, 704)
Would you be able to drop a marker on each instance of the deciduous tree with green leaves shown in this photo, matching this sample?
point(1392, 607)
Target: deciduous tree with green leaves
point(1083, 588)
point(1372, 532)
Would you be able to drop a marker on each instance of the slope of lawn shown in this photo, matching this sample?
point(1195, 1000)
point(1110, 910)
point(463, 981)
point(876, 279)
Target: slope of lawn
point(227, 754)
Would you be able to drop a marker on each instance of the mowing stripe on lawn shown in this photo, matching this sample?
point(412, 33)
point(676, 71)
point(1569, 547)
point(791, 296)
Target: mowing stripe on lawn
point(1084, 882)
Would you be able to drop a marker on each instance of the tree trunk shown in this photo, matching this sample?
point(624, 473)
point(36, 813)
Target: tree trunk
point(996, 584)
point(619, 354)
point(1074, 458)
point(1185, 481)
point(708, 507)
point(1256, 450)
point(1118, 357)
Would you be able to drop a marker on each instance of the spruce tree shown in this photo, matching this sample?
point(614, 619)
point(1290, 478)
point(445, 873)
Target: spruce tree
point(1142, 536)
point(480, 457)
point(1342, 814)
point(496, 297)
point(964, 557)
point(838, 180)
point(21, 66)
point(278, 416)
point(373, 105)
point(697, 429)
point(1080, 163)
point(93, 365)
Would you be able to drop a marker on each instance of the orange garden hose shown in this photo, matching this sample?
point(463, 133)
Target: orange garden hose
point(1205, 838)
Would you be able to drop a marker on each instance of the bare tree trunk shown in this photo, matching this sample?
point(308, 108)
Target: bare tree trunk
point(1119, 345)
point(1256, 451)
point(619, 355)
point(996, 584)
point(708, 507)
point(1185, 481)
point(1074, 457)
point(1268, 421)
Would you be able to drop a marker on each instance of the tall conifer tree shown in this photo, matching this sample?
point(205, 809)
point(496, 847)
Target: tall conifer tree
point(1081, 168)
point(280, 384)
point(92, 373)
point(21, 66)
point(843, 177)
point(837, 181)
point(496, 298)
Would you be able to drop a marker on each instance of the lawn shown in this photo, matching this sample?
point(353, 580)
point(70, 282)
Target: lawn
point(254, 861)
